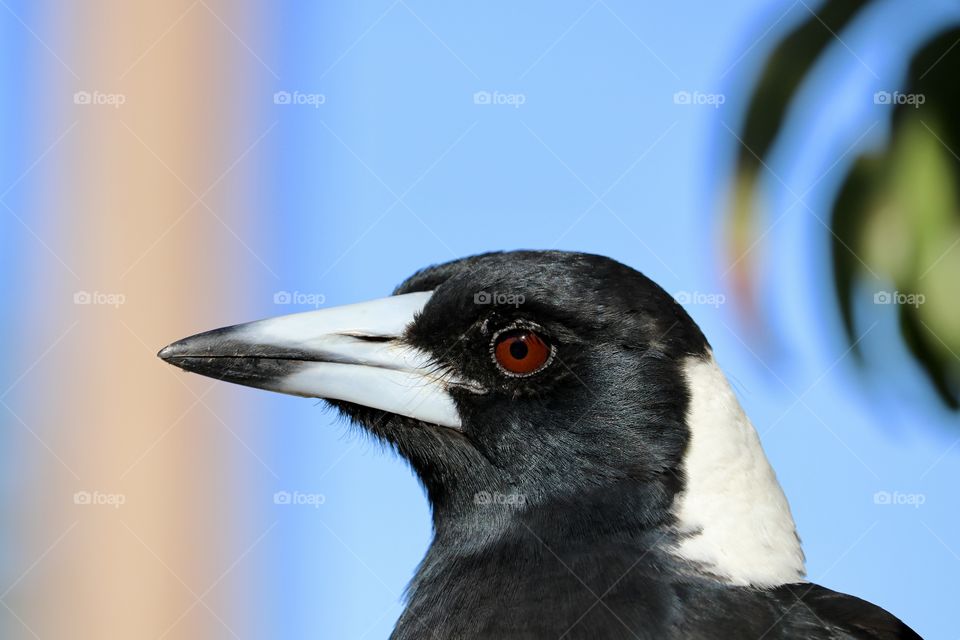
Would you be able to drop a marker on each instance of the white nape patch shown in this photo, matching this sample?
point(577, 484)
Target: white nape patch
point(734, 514)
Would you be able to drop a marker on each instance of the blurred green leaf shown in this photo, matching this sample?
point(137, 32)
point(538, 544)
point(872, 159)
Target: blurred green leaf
point(779, 78)
point(897, 214)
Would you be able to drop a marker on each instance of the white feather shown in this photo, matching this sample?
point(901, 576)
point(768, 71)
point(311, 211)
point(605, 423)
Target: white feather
point(732, 511)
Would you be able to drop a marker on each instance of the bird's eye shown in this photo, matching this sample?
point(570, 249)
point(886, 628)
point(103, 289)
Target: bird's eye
point(521, 352)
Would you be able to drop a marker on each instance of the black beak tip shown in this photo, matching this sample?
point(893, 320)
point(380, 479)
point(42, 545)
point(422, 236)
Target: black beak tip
point(175, 352)
point(208, 343)
point(184, 354)
point(166, 353)
point(179, 349)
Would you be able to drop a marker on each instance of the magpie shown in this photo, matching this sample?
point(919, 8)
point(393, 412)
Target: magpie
point(590, 472)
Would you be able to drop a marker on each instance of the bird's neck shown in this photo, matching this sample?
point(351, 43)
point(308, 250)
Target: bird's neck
point(733, 517)
point(720, 513)
point(500, 580)
point(628, 518)
point(723, 515)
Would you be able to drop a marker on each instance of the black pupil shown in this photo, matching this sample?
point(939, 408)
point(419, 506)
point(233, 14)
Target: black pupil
point(518, 349)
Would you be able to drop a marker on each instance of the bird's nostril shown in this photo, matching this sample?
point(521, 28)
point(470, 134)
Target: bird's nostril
point(369, 338)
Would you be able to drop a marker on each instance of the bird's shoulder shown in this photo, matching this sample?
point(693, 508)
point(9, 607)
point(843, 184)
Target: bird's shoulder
point(848, 616)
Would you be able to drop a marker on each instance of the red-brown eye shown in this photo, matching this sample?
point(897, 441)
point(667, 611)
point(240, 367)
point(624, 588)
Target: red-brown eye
point(521, 352)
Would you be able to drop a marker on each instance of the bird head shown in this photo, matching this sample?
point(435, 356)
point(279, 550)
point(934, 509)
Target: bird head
point(530, 382)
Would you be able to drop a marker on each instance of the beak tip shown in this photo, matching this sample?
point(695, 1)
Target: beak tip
point(168, 352)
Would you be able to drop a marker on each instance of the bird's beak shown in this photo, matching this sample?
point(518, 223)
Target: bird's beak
point(352, 353)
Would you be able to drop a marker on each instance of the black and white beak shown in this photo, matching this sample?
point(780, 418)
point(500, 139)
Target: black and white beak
point(353, 353)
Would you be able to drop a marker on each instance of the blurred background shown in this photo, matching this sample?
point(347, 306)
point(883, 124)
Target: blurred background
point(788, 170)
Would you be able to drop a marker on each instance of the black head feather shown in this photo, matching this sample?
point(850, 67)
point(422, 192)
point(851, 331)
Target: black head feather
point(600, 429)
